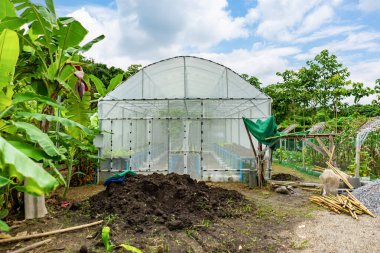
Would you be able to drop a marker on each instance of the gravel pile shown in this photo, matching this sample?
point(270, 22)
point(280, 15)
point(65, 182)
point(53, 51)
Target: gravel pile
point(369, 195)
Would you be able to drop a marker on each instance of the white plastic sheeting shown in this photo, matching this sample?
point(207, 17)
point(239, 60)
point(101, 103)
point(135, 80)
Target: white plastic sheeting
point(179, 115)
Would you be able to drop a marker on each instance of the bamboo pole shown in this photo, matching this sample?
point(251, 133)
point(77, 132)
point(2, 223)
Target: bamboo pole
point(360, 204)
point(32, 246)
point(338, 172)
point(27, 237)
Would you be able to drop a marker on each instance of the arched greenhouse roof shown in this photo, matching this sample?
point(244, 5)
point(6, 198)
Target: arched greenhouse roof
point(185, 77)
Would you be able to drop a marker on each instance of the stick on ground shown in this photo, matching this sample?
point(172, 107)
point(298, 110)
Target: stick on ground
point(32, 246)
point(27, 237)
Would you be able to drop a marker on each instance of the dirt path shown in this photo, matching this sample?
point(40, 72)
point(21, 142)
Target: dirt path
point(329, 232)
point(315, 229)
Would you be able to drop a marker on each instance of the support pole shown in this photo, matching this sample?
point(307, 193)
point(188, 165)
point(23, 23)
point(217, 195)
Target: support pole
point(357, 156)
point(251, 174)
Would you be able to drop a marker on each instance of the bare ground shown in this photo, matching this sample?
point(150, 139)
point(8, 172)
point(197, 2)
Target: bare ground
point(279, 223)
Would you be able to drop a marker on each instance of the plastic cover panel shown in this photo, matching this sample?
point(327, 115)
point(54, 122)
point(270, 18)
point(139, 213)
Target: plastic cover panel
point(185, 77)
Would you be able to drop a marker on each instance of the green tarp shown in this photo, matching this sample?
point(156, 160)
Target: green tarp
point(262, 129)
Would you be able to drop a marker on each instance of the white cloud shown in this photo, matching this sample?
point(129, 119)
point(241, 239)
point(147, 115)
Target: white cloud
point(369, 5)
point(285, 20)
point(359, 41)
point(158, 29)
point(329, 32)
point(262, 62)
point(365, 72)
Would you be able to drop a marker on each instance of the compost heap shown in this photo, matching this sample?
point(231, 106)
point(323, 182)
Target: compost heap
point(369, 195)
point(285, 177)
point(175, 201)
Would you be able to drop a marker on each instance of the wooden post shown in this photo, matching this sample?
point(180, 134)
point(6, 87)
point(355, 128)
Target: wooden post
point(256, 158)
point(260, 170)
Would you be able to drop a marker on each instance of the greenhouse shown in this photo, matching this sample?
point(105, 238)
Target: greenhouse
point(181, 115)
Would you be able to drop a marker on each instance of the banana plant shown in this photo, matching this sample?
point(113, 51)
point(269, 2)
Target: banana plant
point(101, 88)
point(53, 44)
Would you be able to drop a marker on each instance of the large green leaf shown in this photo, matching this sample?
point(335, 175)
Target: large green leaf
point(114, 82)
point(79, 110)
point(7, 9)
point(99, 85)
point(89, 44)
point(11, 23)
point(30, 151)
point(51, 8)
point(37, 136)
point(3, 226)
point(70, 34)
point(40, 22)
point(18, 165)
point(27, 96)
point(70, 140)
point(63, 121)
point(9, 51)
point(3, 182)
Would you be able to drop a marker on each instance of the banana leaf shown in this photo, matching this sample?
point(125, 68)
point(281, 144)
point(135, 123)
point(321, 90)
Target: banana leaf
point(99, 85)
point(14, 163)
point(115, 82)
point(37, 136)
point(27, 96)
point(70, 34)
point(7, 9)
point(31, 151)
point(63, 121)
point(9, 51)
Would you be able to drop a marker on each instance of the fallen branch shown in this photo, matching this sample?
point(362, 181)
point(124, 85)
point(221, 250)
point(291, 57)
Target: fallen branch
point(32, 246)
point(27, 237)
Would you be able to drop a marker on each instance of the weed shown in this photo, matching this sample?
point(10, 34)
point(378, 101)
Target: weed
point(206, 223)
point(247, 208)
point(191, 233)
point(299, 245)
point(110, 218)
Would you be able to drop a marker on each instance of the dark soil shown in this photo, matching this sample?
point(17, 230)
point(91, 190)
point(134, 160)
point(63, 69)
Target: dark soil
point(173, 201)
point(285, 177)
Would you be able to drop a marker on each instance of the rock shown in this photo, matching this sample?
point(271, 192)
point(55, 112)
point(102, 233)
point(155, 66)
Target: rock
point(83, 249)
point(282, 190)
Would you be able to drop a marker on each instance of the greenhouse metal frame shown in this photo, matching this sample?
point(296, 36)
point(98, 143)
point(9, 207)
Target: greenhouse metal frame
point(182, 115)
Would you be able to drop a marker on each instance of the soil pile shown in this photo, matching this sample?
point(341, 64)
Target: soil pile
point(175, 201)
point(369, 195)
point(285, 177)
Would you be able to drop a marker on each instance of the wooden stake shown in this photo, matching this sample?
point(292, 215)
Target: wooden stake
point(27, 237)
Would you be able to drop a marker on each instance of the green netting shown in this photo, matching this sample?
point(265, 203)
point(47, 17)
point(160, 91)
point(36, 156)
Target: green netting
point(262, 129)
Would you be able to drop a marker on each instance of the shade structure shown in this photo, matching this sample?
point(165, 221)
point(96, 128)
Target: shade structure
point(183, 115)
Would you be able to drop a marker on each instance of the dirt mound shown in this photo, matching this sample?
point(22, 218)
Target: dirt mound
point(285, 177)
point(175, 201)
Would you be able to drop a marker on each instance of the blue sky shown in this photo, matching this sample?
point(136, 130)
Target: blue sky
point(255, 37)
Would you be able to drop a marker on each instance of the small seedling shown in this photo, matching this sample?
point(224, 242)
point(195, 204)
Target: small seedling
point(106, 238)
point(109, 246)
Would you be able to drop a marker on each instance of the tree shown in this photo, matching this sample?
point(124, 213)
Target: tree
point(254, 81)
